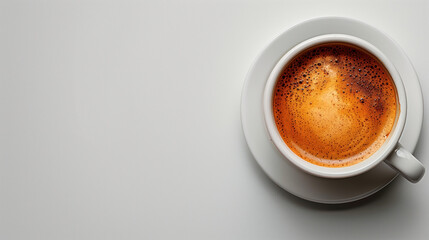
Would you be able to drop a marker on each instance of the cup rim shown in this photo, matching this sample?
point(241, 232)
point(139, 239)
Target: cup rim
point(341, 172)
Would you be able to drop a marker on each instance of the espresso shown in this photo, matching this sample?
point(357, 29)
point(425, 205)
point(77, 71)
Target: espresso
point(335, 105)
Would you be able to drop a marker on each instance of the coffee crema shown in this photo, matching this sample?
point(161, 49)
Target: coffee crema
point(335, 104)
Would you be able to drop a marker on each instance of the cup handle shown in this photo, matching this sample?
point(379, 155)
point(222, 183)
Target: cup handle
point(406, 164)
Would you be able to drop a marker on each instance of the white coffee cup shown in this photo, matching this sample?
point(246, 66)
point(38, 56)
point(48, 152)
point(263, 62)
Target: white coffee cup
point(391, 152)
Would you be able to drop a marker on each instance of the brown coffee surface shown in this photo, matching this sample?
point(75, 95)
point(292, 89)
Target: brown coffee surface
point(335, 105)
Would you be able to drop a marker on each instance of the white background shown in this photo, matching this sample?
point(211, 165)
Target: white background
point(121, 120)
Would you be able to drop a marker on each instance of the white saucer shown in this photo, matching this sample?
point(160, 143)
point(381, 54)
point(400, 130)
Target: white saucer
point(280, 170)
